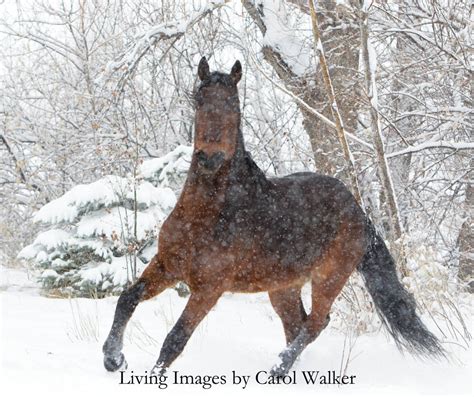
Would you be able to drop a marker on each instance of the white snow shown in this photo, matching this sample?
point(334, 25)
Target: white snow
point(97, 245)
point(150, 195)
point(175, 162)
point(282, 38)
point(167, 198)
point(106, 191)
point(56, 211)
point(49, 273)
point(28, 252)
point(366, 5)
point(319, 46)
point(143, 41)
point(52, 238)
point(117, 271)
point(52, 347)
point(101, 220)
point(149, 252)
point(119, 220)
point(434, 145)
point(372, 58)
point(48, 240)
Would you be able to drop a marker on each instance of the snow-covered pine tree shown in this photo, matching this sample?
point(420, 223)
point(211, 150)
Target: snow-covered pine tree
point(90, 245)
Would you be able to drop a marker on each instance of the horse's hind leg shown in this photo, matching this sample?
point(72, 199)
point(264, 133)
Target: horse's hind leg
point(327, 280)
point(288, 305)
point(153, 281)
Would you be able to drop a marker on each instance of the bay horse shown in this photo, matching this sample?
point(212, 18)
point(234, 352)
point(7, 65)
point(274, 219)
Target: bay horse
point(233, 229)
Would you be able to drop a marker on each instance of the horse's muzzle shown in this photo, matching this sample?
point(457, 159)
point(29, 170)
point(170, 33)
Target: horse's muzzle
point(209, 163)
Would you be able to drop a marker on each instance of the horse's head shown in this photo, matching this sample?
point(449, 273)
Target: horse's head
point(217, 117)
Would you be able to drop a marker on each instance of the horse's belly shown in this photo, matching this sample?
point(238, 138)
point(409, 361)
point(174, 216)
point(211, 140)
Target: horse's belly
point(269, 271)
point(244, 262)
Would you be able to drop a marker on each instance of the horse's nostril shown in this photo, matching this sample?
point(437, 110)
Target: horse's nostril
point(201, 156)
point(210, 162)
point(216, 160)
point(218, 157)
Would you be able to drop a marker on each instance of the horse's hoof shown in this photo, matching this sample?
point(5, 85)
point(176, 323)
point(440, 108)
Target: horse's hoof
point(158, 370)
point(114, 363)
point(278, 371)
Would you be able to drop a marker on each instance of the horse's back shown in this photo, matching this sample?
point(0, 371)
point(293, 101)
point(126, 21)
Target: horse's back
point(303, 213)
point(318, 191)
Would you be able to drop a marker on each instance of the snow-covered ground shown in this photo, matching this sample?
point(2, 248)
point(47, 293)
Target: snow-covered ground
point(53, 347)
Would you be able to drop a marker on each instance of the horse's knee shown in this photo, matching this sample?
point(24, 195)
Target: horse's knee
point(155, 279)
point(130, 298)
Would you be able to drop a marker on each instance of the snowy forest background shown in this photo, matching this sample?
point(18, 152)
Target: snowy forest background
point(97, 126)
point(96, 132)
point(93, 88)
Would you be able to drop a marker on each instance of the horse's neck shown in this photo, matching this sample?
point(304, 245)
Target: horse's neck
point(239, 179)
point(247, 173)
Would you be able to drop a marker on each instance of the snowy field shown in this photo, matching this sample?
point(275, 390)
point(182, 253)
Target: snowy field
point(53, 347)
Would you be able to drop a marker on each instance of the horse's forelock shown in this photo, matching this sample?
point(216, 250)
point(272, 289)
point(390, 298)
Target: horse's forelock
point(216, 78)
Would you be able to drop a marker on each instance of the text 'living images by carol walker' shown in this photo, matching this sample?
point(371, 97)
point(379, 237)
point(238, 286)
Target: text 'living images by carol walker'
point(314, 378)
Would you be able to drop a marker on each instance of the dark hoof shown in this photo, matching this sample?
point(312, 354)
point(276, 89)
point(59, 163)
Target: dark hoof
point(158, 370)
point(114, 363)
point(279, 371)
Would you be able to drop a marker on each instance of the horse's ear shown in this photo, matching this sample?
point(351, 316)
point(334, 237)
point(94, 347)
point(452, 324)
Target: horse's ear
point(203, 69)
point(236, 72)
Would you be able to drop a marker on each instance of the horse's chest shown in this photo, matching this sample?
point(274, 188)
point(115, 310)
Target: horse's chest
point(187, 239)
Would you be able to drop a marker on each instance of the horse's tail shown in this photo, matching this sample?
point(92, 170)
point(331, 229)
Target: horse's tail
point(395, 305)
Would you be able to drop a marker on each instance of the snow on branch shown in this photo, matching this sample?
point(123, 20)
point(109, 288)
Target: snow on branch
point(281, 38)
point(308, 107)
point(164, 168)
point(105, 231)
point(128, 61)
point(112, 190)
point(433, 145)
point(414, 33)
point(107, 221)
point(103, 193)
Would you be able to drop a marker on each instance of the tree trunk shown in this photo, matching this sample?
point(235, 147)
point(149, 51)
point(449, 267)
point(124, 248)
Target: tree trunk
point(466, 241)
point(336, 114)
point(342, 52)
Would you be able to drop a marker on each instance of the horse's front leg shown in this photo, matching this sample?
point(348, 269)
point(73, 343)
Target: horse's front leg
point(199, 304)
point(152, 282)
